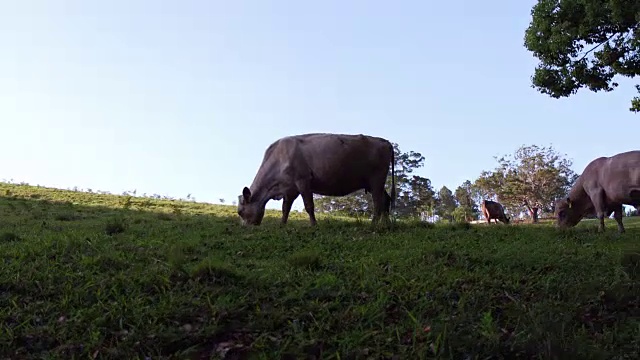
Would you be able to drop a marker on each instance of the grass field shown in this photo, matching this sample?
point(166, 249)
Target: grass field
point(111, 277)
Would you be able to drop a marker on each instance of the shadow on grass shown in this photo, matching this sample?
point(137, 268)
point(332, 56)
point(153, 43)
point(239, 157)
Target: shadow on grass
point(161, 279)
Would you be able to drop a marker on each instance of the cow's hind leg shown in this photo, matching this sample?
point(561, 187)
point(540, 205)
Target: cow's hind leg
point(377, 206)
point(387, 203)
point(379, 203)
point(385, 212)
point(380, 197)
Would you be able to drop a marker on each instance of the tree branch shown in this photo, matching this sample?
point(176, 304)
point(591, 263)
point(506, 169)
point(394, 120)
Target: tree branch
point(595, 47)
point(628, 32)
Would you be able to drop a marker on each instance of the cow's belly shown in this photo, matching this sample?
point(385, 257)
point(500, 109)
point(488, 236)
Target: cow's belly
point(335, 187)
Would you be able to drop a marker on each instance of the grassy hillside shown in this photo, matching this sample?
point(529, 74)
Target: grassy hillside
point(112, 277)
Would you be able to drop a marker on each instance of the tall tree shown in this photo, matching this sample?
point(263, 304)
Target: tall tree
point(533, 178)
point(446, 204)
point(468, 208)
point(422, 196)
point(584, 44)
point(405, 165)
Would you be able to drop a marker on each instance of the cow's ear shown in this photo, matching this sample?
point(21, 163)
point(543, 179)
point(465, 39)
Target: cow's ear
point(569, 202)
point(246, 193)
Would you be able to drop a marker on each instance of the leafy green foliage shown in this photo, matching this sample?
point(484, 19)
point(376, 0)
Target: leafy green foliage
point(584, 43)
point(532, 178)
point(198, 285)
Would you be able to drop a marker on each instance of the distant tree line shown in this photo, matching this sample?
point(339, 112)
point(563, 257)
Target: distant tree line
point(527, 183)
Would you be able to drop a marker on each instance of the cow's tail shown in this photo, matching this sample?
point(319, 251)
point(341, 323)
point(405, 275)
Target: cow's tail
point(393, 180)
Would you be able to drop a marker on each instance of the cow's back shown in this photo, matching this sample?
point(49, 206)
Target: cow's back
point(340, 163)
point(492, 208)
point(617, 174)
point(326, 153)
point(610, 172)
point(625, 165)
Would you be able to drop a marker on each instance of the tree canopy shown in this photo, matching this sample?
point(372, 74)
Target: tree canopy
point(584, 44)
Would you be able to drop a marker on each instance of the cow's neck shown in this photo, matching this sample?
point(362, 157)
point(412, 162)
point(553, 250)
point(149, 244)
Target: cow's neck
point(579, 198)
point(264, 187)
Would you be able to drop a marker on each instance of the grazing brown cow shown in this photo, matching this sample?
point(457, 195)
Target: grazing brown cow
point(325, 164)
point(494, 210)
point(603, 187)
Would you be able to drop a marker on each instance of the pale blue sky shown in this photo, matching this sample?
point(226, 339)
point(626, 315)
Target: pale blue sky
point(184, 96)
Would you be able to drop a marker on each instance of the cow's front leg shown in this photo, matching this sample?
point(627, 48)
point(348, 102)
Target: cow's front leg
point(617, 214)
point(601, 209)
point(287, 202)
point(600, 216)
point(307, 198)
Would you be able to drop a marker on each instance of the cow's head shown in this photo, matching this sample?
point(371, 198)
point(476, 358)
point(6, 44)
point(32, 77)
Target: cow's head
point(507, 219)
point(566, 213)
point(250, 210)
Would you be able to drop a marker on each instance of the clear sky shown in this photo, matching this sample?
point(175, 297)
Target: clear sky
point(183, 97)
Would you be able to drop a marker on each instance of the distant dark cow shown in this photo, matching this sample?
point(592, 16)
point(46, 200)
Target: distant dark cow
point(603, 187)
point(325, 164)
point(494, 210)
